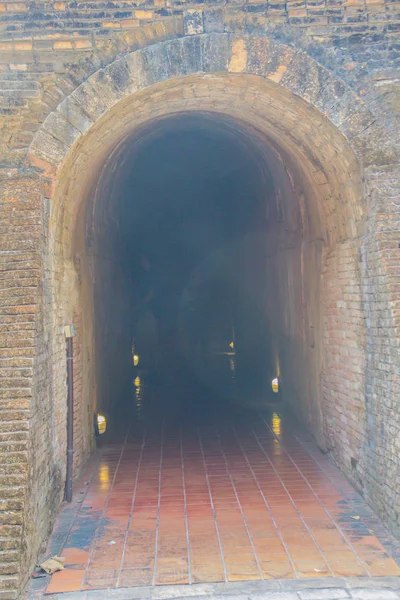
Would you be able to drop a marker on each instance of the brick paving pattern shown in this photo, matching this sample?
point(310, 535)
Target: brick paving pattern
point(236, 500)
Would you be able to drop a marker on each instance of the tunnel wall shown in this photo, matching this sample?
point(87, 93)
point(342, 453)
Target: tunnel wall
point(295, 250)
point(345, 362)
point(52, 280)
point(318, 326)
point(112, 302)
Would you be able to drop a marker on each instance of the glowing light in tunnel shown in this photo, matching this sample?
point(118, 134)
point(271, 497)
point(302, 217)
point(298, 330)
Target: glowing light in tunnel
point(276, 424)
point(101, 424)
point(136, 381)
point(135, 360)
point(104, 476)
point(275, 385)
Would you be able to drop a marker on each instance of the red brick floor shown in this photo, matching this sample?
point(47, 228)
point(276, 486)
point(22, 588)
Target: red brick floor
point(231, 500)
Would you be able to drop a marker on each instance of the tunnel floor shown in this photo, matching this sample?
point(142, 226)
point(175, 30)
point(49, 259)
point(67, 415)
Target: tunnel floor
point(217, 495)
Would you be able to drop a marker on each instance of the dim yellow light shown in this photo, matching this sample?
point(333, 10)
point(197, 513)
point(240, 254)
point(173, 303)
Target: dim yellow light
point(275, 385)
point(101, 424)
point(137, 381)
point(276, 424)
point(232, 345)
point(135, 360)
point(104, 476)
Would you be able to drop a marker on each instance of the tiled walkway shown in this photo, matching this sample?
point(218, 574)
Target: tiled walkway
point(233, 499)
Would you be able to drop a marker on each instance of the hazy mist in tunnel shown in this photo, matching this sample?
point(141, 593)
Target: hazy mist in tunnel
point(190, 225)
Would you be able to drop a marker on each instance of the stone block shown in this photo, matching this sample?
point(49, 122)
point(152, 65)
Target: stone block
point(324, 594)
point(215, 53)
point(91, 103)
point(73, 112)
point(47, 147)
point(193, 21)
point(136, 66)
point(61, 129)
point(374, 594)
point(155, 63)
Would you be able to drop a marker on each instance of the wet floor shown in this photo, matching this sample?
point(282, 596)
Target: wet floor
point(205, 495)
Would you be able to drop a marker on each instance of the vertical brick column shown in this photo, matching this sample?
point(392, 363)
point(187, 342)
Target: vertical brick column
point(344, 359)
point(21, 226)
point(381, 262)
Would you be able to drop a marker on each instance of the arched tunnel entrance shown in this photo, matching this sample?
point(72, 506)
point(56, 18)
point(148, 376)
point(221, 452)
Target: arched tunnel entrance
point(214, 245)
point(184, 224)
point(248, 198)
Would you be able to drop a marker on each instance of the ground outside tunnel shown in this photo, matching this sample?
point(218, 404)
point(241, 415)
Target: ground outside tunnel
point(220, 497)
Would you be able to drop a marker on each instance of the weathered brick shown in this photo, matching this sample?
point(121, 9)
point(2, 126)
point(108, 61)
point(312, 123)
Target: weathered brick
point(338, 310)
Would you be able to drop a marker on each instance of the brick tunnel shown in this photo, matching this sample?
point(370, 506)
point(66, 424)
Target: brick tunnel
point(206, 256)
point(214, 213)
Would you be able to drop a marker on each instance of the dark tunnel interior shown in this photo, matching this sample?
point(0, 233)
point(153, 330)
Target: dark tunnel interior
point(181, 281)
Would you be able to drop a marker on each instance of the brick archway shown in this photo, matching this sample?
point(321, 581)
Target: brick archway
point(294, 71)
point(317, 127)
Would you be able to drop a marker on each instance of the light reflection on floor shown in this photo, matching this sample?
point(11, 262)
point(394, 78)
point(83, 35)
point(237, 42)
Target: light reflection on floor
point(204, 492)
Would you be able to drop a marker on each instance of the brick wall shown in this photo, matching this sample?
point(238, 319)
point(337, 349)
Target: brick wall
point(345, 360)
point(380, 260)
point(21, 261)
